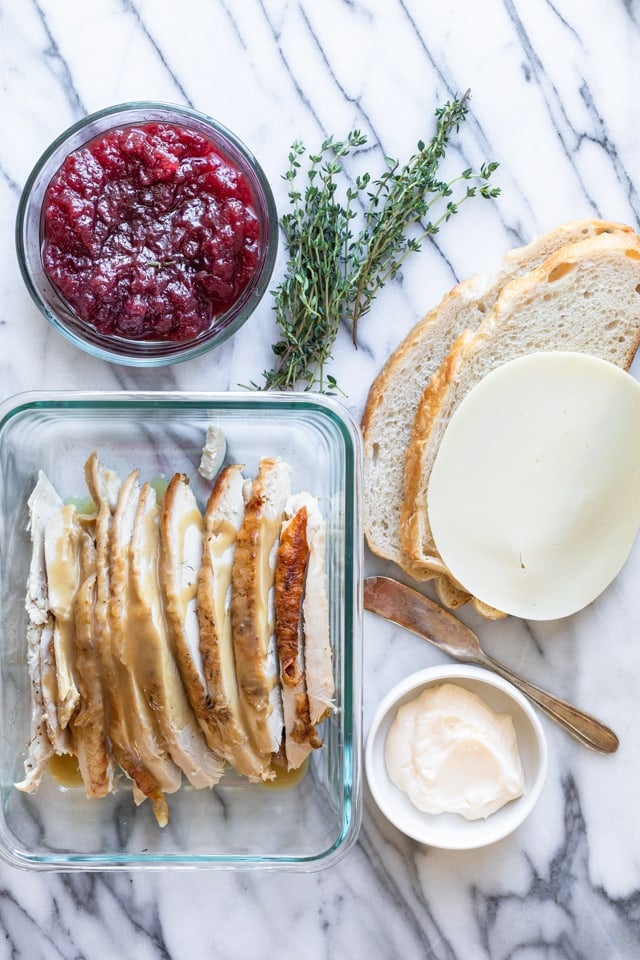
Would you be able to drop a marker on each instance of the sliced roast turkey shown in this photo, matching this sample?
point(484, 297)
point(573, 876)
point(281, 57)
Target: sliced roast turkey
point(44, 738)
point(223, 518)
point(179, 566)
point(156, 670)
point(167, 641)
point(301, 736)
point(89, 726)
point(111, 498)
point(252, 613)
point(315, 612)
point(62, 540)
point(153, 773)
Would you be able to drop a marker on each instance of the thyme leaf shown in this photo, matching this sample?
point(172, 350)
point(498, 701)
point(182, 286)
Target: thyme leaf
point(341, 251)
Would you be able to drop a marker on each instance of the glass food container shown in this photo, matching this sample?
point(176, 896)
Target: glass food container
point(307, 824)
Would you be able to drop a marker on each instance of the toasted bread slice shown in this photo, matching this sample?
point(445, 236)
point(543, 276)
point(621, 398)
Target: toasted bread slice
point(394, 396)
point(585, 298)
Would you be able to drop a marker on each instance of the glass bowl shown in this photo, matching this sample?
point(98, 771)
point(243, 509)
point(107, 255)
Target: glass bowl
point(30, 236)
point(306, 825)
point(451, 831)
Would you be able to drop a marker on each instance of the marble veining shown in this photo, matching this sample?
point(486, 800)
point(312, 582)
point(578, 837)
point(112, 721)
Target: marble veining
point(553, 100)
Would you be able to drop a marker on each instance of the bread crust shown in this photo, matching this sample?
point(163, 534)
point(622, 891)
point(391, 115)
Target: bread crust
point(413, 518)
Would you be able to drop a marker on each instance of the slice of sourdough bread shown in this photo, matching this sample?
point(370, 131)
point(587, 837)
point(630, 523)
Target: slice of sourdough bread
point(584, 298)
point(394, 396)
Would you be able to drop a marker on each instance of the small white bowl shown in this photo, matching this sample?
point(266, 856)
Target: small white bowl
point(446, 830)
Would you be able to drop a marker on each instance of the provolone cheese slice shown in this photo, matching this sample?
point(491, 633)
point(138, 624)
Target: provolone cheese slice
point(534, 496)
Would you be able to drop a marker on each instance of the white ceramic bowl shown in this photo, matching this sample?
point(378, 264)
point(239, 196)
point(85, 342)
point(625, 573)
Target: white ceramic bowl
point(445, 830)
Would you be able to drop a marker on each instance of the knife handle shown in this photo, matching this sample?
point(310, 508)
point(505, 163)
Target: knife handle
point(585, 728)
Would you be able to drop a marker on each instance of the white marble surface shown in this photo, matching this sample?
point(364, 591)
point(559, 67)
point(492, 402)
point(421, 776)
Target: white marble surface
point(554, 89)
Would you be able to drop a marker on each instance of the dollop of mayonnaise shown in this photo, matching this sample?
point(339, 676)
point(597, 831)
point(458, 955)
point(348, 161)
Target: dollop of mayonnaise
point(451, 753)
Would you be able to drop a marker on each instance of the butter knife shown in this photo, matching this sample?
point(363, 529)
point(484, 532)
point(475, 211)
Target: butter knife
point(415, 612)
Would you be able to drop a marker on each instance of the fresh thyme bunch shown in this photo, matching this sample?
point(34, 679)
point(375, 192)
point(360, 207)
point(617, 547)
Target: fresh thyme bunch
point(334, 272)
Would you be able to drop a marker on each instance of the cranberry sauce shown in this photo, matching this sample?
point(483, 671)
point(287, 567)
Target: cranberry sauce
point(149, 233)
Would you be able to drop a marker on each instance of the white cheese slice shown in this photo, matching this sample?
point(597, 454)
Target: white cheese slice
point(534, 497)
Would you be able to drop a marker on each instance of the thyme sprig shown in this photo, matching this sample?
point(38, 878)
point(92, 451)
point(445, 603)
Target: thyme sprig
point(334, 270)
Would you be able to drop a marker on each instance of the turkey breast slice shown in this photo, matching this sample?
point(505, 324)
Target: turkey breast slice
point(62, 562)
point(44, 504)
point(180, 562)
point(71, 570)
point(105, 488)
point(213, 452)
point(89, 731)
point(318, 656)
point(41, 746)
point(252, 615)
point(154, 666)
point(222, 520)
point(291, 567)
point(60, 737)
point(149, 766)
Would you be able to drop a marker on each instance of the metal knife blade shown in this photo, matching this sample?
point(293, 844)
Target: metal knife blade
point(413, 611)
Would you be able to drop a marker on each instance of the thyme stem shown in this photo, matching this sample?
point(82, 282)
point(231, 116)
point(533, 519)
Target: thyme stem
point(333, 273)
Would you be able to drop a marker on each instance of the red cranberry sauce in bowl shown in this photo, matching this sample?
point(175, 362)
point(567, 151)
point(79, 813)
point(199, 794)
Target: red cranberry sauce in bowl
point(149, 233)
point(157, 234)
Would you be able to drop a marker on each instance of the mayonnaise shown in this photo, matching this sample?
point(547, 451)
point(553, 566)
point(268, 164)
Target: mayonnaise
point(452, 754)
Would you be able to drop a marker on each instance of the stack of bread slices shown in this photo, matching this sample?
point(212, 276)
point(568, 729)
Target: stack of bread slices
point(576, 288)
